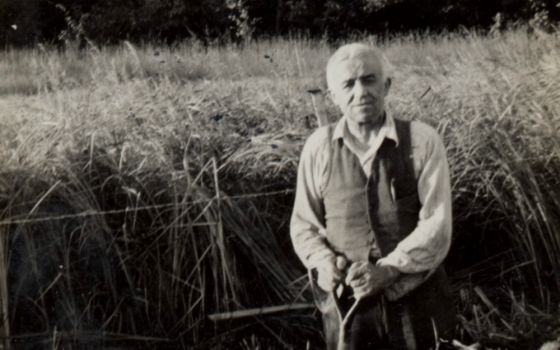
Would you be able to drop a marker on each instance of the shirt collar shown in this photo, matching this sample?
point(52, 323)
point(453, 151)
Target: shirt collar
point(387, 130)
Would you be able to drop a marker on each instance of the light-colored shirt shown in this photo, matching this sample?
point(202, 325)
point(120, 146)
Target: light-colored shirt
point(424, 248)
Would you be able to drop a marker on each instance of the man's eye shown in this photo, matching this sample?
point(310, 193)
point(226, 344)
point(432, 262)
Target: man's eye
point(369, 80)
point(348, 84)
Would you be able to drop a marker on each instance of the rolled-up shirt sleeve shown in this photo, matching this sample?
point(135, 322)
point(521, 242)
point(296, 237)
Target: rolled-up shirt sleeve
point(426, 246)
point(307, 226)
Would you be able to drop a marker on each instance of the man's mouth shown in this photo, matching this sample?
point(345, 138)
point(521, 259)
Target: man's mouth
point(362, 105)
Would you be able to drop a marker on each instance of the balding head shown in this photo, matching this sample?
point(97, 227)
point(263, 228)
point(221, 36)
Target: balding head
point(358, 84)
point(355, 50)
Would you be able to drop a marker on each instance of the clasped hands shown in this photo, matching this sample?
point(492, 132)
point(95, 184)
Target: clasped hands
point(363, 277)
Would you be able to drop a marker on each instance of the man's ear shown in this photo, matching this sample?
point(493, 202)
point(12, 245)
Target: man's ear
point(387, 84)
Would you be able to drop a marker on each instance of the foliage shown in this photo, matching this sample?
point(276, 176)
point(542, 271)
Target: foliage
point(161, 180)
point(111, 21)
point(243, 25)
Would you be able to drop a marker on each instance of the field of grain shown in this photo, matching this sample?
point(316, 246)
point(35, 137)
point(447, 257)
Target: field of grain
point(144, 188)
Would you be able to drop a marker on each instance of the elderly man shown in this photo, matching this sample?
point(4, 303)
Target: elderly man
point(372, 216)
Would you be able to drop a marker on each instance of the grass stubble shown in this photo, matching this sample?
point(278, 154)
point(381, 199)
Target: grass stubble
point(143, 188)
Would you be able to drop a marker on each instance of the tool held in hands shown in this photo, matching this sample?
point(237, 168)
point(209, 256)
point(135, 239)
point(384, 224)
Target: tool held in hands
point(345, 313)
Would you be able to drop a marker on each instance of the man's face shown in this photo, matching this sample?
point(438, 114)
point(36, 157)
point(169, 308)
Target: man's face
point(358, 88)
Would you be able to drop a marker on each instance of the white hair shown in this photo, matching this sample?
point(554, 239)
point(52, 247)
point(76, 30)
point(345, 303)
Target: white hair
point(354, 50)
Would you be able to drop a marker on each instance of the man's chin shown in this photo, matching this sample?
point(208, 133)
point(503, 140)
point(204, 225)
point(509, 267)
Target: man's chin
point(363, 118)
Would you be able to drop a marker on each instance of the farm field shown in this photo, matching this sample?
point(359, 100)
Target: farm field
point(144, 188)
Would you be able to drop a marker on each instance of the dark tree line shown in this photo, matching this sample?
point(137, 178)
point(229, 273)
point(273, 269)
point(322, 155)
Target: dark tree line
point(26, 22)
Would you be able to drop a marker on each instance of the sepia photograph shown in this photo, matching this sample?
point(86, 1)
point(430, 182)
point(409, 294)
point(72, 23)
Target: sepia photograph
point(284, 174)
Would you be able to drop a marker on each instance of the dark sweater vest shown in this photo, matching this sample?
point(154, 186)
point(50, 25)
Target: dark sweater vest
point(378, 211)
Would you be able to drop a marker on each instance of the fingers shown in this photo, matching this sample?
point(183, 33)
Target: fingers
point(329, 274)
point(361, 282)
point(365, 286)
point(341, 263)
point(358, 275)
point(356, 271)
point(335, 273)
point(364, 291)
point(363, 277)
point(326, 284)
point(359, 293)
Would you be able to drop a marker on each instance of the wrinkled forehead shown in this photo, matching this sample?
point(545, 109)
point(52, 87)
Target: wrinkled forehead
point(353, 67)
point(353, 59)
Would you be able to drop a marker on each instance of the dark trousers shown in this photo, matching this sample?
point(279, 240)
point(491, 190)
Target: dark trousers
point(415, 322)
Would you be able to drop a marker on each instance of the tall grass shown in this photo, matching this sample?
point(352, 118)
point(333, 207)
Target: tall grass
point(161, 180)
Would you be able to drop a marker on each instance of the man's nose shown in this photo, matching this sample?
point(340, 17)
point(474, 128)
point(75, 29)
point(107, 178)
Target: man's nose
point(359, 89)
